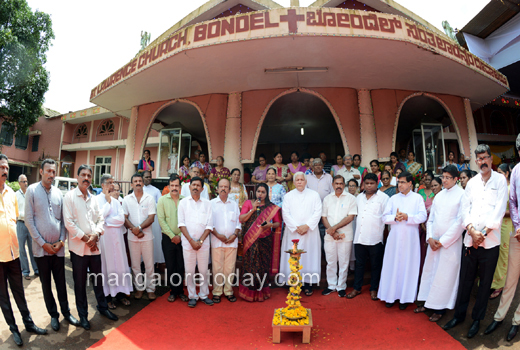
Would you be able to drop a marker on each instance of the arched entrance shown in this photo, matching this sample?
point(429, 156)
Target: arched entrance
point(299, 121)
point(426, 126)
point(178, 129)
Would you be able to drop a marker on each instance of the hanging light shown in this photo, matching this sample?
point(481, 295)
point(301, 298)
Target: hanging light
point(302, 130)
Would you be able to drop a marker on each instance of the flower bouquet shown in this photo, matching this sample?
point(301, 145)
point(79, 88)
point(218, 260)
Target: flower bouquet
point(294, 313)
point(185, 179)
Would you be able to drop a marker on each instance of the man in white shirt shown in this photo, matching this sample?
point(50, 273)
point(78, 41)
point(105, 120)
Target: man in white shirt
point(148, 188)
point(339, 210)
point(84, 223)
point(368, 239)
point(185, 190)
point(224, 243)
point(196, 223)
point(301, 214)
point(400, 273)
point(140, 210)
point(349, 172)
point(440, 276)
point(22, 233)
point(483, 207)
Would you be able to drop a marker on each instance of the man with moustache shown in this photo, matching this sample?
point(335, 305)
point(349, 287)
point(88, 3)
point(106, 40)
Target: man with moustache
point(22, 232)
point(84, 223)
point(43, 209)
point(196, 223)
point(185, 190)
point(10, 269)
point(339, 210)
point(483, 207)
point(167, 213)
point(368, 239)
point(139, 209)
point(400, 273)
point(224, 242)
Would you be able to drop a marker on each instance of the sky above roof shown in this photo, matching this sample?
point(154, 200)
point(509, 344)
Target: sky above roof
point(95, 38)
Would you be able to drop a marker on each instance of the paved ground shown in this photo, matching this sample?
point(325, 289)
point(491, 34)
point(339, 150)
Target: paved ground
point(70, 337)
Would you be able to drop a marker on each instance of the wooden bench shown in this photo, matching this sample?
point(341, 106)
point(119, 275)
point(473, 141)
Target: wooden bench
point(306, 329)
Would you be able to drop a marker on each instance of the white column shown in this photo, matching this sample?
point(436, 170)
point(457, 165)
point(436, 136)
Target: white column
point(233, 136)
point(129, 169)
point(472, 132)
point(368, 127)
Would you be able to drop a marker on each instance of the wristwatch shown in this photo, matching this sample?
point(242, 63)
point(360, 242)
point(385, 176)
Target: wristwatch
point(140, 229)
point(201, 241)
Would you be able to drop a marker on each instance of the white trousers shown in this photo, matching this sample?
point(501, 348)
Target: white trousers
point(337, 253)
point(144, 250)
point(513, 273)
point(198, 258)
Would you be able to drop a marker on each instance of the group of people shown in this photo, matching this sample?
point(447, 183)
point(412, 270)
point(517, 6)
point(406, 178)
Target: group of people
point(439, 238)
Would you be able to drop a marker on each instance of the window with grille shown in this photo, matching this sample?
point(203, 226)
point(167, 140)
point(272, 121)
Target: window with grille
point(106, 128)
point(21, 141)
point(6, 137)
point(35, 143)
point(81, 131)
point(102, 166)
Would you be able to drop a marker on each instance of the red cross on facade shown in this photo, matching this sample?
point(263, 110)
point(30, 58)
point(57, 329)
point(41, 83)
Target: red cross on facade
point(292, 18)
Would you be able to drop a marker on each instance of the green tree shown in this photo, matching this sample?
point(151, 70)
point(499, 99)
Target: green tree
point(25, 37)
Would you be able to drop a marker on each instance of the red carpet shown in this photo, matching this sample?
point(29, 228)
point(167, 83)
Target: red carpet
point(359, 323)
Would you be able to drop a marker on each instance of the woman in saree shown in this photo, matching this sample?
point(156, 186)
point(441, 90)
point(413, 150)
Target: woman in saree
point(294, 167)
point(261, 223)
point(282, 171)
point(184, 170)
point(374, 168)
point(220, 170)
point(276, 191)
point(260, 171)
point(237, 191)
point(412, 166)
point(339, 165)
point(506, 232)
point(387, 188)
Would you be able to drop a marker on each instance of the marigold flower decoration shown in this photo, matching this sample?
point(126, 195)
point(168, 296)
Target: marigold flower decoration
point(294, 314)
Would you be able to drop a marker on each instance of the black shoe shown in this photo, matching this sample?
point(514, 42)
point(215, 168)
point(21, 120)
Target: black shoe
point(454, 321)
point(55, 323)
point(207, 301)
point(192, 303)
point(72, 320)
point(342, 293)
point(35, 329)
point(109, 314)
point(84, 323)
point(403, 306)
point(17, 338)
point(512, 333)
point(389, 305)
point(492, 327)
point(326, 291)
point(473, 330)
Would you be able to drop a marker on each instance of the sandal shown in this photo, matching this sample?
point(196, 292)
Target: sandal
point(183, 297)
point(125, 302)
point(111, 306)
point(419, 309)
point(171, 298)
point(231, 298)
point(496, 293)
point(373, 295)
point(435, 317)
point(216, 299)
point(353, 294)
point(308, 292)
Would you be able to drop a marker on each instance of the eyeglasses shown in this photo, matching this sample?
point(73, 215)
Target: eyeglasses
point(402, 182)
point(23, 182)
point(481, 159)
point(385, 178)
point(447, 177)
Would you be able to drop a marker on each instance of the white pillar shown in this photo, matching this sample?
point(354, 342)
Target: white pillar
point(129, 169)
point(233, 136)
point(472, 133)
point(368, 127)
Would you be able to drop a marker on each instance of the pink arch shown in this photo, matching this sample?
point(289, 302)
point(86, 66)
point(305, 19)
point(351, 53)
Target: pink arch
point(169, 103)
point(287, 92)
